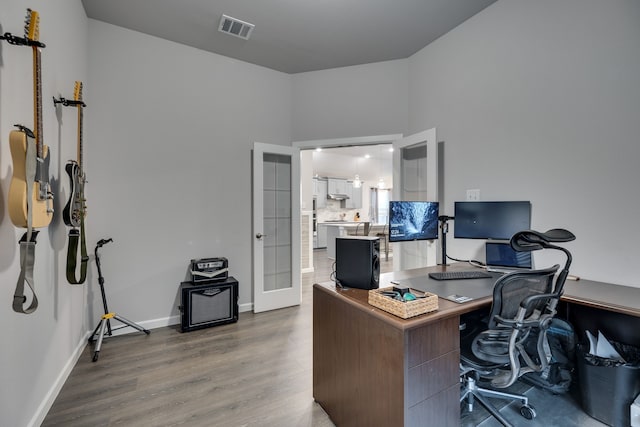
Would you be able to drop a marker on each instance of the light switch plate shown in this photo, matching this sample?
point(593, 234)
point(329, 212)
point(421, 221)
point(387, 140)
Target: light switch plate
point(473, 195)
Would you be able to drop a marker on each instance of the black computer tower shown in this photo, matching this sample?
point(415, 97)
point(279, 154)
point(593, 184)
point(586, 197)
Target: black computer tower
point(358, 261)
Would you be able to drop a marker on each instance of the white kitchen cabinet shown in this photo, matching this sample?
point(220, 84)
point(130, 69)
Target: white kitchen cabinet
point(320, 192)
point(355, 197)
point(337, 186)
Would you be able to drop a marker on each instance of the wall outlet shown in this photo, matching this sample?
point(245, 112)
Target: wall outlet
point(473, 195)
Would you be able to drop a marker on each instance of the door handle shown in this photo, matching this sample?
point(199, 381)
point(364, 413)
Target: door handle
point(260, 236)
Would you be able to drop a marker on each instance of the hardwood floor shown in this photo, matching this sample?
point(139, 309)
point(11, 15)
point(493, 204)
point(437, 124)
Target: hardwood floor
point(256, 372)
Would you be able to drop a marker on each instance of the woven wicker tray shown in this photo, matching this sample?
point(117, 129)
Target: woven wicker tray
point(402, 309)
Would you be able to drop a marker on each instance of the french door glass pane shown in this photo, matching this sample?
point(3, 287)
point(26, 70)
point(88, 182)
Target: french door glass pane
point(414, 171)
point(277, 221)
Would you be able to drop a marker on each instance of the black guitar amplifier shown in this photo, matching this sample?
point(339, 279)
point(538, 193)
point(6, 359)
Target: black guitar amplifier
point(209, 269)
point(210, 304)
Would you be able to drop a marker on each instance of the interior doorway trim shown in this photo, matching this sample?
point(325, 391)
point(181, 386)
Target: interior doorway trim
point(341, 142)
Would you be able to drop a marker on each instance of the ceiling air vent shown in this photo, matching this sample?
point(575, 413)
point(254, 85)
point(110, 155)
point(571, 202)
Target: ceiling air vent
point(235, 27)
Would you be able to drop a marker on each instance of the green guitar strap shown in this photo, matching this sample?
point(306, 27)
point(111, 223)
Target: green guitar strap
point(28, 240)
point(72, 251)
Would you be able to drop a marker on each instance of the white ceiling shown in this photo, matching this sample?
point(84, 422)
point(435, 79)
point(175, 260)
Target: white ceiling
point(345, 162)
point(295, 36)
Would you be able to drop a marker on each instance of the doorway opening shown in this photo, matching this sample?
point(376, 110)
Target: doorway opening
point(337, 177)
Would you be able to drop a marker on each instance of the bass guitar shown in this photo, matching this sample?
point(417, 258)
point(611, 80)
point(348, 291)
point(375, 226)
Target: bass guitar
point(30, 193)
point(75, 208)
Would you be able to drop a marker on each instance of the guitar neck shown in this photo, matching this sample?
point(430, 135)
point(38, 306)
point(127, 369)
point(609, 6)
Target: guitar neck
point(77, 96)
point(37, 101)
point(80, 118)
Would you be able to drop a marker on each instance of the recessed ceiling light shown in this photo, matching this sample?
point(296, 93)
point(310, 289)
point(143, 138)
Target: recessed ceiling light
point(319, 149)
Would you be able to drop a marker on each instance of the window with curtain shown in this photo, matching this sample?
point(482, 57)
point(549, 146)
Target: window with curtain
point(379, 205)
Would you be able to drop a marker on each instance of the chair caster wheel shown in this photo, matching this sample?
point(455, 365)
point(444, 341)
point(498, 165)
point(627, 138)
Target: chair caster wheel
point(528, 412)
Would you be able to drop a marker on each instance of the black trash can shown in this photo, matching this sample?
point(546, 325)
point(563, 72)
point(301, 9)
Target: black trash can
point(608, 387)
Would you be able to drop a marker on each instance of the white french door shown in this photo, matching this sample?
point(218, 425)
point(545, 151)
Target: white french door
point(276, 227)
point(415, 177)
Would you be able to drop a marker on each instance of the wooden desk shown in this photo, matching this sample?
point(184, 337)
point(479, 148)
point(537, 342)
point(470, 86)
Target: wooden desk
point(604, 296)
point(371, 368)
point(596, 306)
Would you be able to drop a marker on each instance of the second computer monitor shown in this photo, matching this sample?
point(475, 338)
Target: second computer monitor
point(491, 220)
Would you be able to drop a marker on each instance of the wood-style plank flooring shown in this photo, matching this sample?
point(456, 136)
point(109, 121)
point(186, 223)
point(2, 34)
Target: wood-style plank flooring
point(256, 372)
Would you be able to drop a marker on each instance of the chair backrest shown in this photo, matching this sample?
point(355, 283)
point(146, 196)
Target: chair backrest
point(513, 290)
point(523, 302)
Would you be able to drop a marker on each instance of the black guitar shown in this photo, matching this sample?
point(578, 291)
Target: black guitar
point(75, 209)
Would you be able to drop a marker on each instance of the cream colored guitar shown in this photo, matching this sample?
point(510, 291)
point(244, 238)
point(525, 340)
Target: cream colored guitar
point(40, 197)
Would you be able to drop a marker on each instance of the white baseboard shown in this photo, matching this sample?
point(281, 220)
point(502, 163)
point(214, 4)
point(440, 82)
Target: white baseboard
point(245, 307)
point(50, 397)
point(116, 330)
point(161, 322)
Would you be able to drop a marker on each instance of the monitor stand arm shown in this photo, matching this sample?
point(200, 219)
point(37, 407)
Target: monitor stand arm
point(444, 228)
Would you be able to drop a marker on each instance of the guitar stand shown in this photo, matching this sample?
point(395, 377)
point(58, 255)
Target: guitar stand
point(104, 326)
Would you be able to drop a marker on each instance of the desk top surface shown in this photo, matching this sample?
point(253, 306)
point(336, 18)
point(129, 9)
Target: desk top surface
point(606, 296)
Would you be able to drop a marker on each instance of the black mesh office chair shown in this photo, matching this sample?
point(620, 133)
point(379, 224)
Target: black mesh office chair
point(512, 344)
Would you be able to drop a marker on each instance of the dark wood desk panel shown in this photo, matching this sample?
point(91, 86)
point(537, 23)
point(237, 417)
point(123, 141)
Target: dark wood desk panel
point(373, 368)
point(357, 363)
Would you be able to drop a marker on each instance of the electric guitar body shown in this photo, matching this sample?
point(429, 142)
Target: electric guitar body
point(17, 199)
point(74, 209)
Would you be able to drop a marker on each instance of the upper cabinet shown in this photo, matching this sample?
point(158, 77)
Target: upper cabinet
point(355, 197)
point(320, 192)
point(337, 186)
point(324, 186)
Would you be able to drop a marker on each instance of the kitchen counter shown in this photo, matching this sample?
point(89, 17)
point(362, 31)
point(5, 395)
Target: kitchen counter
point(339, 229)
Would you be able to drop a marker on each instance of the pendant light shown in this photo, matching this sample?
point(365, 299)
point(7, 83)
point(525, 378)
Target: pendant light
point(357, 183)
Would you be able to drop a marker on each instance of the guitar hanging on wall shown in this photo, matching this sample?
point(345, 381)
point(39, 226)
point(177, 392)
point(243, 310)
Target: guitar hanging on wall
point(30, 196)
point(75, 210)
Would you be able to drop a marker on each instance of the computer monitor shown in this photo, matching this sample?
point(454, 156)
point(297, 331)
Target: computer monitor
point(411, 220)
point(500, 255)
point(491, 220)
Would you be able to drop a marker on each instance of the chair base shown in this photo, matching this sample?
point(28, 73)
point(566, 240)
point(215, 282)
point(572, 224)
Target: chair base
point(471, 392)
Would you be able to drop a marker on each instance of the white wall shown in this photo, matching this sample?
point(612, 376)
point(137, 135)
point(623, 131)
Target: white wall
point(40, 348)
point(523, 86)
point(168, 137)
point(540, 101)
point(171, 134)
point(351, 102)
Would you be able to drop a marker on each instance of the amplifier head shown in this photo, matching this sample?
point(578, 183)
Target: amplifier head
point(209, 269)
